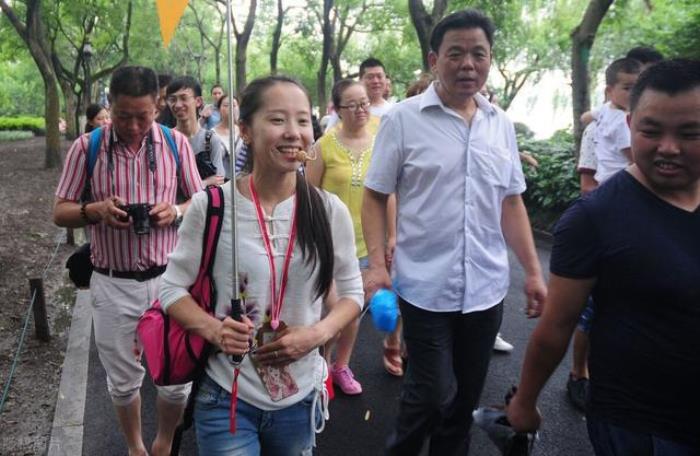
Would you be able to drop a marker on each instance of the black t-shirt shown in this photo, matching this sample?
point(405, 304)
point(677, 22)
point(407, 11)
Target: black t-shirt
point(645, 336)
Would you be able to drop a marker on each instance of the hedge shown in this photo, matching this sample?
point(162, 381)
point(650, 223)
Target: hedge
point(36, 125)
point(554, 185)
point(7, 136)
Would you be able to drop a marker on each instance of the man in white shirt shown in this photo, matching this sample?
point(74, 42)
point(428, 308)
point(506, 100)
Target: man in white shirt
point(452, 159)
point(373, 77)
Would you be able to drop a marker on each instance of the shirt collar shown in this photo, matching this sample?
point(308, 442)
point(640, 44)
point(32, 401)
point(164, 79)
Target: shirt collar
point(117, 140)
point(431, 98)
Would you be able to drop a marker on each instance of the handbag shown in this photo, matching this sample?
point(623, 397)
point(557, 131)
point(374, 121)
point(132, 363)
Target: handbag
point(174, 355)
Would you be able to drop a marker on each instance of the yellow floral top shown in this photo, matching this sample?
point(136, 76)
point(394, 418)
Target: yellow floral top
point(345, 176)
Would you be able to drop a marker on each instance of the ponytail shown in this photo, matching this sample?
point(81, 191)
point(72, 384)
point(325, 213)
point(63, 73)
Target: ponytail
point(314, 233)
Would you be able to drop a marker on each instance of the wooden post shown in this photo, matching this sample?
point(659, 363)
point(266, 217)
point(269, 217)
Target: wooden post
point(41, 321)
point(70, 238)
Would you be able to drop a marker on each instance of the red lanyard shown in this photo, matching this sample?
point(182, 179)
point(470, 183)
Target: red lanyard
point(275, 297)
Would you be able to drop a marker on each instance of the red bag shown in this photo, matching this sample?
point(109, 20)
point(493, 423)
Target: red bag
point(173, 355)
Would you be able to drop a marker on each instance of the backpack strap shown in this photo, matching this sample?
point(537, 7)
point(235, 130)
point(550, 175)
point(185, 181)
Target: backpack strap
point(168, 135)
point(207, 143)
point(94, 142)
point(212, 228)
point(203, 285)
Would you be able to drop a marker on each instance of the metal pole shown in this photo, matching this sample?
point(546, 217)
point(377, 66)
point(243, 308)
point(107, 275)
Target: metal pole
point(232, 161)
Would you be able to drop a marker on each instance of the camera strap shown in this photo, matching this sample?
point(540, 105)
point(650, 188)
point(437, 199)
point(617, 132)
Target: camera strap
point(150, 155)
point(95, 144)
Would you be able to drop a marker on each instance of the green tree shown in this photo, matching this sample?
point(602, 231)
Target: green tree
point(33, 33)
point(72, 26)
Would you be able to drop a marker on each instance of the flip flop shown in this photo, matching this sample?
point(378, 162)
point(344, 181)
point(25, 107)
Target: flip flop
point(393, 363)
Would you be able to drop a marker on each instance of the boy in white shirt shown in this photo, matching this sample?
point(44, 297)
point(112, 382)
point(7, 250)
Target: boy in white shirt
point(612, 135)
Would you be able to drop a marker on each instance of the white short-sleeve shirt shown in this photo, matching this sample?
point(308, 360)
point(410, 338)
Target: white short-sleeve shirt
point(612, 135)
point(450, 180)
point(587, 162)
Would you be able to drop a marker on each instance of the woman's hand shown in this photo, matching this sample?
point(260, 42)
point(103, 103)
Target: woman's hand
point(291, 344)
point(233, 337)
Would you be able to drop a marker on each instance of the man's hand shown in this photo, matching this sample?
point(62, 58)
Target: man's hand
point(376, 278)
point(163, 214)
point(523, 418)
point(536, 294)
point(206, 112)
point(291, 344)
point(109, 212)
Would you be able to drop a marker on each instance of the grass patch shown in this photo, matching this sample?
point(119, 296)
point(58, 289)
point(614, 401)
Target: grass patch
point(15, 135)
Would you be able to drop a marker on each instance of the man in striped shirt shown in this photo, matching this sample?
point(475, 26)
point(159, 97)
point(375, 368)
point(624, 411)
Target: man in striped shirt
point(134, 165)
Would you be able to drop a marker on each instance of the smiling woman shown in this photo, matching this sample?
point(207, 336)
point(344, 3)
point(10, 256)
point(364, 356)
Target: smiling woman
point(293, 240)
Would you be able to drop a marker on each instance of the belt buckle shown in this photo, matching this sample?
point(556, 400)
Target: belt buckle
point(140, 276)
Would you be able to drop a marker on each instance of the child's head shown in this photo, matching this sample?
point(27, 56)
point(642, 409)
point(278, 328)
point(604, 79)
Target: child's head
point(620, 77)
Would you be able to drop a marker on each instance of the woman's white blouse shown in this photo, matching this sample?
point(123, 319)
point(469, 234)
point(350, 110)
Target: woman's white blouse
point(300, 307)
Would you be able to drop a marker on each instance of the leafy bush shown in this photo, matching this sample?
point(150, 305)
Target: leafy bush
point(15, 135)
point(33, 124)
point(554, 185)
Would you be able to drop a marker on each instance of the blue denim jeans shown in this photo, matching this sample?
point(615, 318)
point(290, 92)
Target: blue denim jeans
point(586, 318)
point(285, 432)
point(611, 440)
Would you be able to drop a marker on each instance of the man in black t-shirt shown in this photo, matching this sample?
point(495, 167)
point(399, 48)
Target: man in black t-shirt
point(634, 244)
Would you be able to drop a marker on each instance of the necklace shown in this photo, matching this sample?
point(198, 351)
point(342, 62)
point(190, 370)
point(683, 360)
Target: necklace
point(355, 164)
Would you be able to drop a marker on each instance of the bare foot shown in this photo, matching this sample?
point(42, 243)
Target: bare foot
point(138, 451)
point(160, 448)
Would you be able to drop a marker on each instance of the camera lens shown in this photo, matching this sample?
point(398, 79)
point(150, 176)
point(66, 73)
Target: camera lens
point(141, 218)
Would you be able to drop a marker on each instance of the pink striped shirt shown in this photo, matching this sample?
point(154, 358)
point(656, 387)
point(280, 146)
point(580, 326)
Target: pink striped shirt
point(123, 250)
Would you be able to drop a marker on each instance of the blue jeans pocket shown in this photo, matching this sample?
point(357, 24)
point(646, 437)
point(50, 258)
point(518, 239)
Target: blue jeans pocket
point(209, 393)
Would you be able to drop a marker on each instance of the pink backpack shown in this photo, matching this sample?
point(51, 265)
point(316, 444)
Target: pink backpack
point(173, 355)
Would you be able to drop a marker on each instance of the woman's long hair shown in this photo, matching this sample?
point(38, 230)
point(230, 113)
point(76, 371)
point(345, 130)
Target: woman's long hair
point(313, 228)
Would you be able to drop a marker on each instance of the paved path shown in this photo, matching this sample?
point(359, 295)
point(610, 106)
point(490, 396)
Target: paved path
point(360, 425)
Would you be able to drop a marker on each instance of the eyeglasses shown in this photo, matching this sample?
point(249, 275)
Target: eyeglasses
point(172, 99)
point(356, 106)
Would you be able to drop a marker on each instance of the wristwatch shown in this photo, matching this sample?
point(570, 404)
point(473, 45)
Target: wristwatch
point(178, 215)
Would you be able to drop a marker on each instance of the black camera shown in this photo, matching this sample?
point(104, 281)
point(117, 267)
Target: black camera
point(139, 214)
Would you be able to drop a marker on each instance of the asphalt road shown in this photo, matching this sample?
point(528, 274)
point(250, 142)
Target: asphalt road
point(360, 425)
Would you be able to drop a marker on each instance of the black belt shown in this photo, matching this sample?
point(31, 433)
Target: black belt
point(139, 276)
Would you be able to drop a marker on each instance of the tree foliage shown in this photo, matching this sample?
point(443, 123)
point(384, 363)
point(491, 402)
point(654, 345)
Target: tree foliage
point(533, 37)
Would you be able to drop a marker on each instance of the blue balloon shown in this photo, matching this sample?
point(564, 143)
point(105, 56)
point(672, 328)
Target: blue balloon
point(384, 309)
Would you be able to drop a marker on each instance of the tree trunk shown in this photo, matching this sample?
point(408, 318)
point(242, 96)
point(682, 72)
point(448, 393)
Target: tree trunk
point(337, 70)
point(276, 38)
point(72, 110)
point(424, 23)
point(242, 40)
point(217, 64)
point(241, 60)
point(325, 54)
point(52, 157)
point(582, 38)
